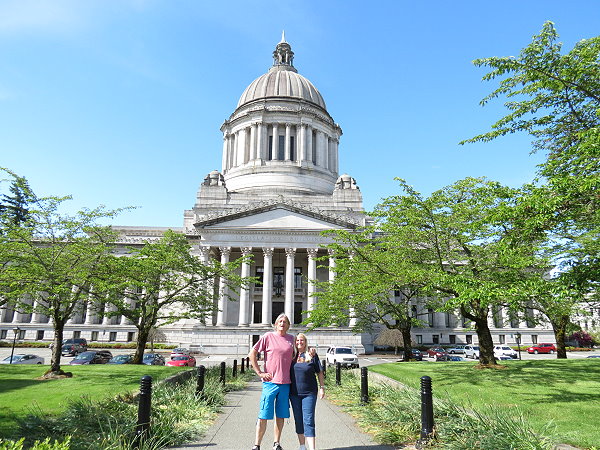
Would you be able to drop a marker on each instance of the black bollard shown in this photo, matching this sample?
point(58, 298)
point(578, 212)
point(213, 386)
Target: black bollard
point(242, 368)
point(248, 363)
point(200, 384)
point(338, 374)
point(222, 376)
point(364, 385)
point(234, 369)
point(145, 399)
point(426, 410)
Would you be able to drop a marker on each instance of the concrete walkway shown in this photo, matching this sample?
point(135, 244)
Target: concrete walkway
point(234, 429)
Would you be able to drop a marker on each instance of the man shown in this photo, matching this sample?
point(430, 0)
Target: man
point(278, 348)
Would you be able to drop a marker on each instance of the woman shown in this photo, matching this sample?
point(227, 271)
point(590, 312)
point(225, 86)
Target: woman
point(303, 391)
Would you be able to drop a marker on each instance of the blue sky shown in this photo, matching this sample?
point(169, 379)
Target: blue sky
point(120, 102)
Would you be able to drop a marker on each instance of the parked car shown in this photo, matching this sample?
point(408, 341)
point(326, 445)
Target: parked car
point(456, 349)
point(343, 355)
point(456, 358)
point(437, 353)
point(415, 354)
point(92, 357)
point(472, 351)
point(182, 360)
point(542, 348)
point(502, 357)
point(121, 359)
point(179, 351)
point(153, 359)
point(504, 350)
point(23, 359)
point(594, 356)
point(80, 345)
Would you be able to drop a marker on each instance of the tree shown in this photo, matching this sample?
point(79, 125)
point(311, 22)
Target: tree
point(50, 264)
point(555, 97)
point(160, 283)
point(453, 245)
point(14, 207)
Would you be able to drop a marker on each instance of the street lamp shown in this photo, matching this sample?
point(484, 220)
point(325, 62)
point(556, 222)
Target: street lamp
point(518, 338)
point(16, 330)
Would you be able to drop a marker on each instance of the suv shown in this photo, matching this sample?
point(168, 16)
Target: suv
point(456, 349)
point(472, 351)
point(542, 348)
point(343, 355)
point(72, 347)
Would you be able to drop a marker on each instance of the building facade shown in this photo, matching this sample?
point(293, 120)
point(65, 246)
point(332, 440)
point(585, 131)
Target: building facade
point(278, 188)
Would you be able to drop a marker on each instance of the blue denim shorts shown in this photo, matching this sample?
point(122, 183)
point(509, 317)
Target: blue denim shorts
point(275, 399)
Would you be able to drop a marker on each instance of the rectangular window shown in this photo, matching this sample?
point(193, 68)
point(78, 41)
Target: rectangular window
point(257, 313)
point(297, 277)
point(448, 320)
point(21, 335)
point(40, 335)
point(278, 281)
point(292, 148)
point(94, 336)
point(534, 339)
point(259, 274)
point(452, 338)
point(281, 152)
point(76, 334)
point(430, 316)
point(112, 336)
point(3, 334)
point(435, 338)
point(313, 150)
point(502, 339)
point(469, 339)
point(497, 315)
point(130, 336)
point(396, 293)
point(419, 339)
point(270, 148)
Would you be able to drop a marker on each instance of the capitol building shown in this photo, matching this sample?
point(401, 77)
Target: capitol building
point(278, 189)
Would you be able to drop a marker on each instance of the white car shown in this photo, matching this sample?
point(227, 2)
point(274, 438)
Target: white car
point(504, 350)
point(472, 351)
point(343, 355)
point(456, 349)
point(23, 359)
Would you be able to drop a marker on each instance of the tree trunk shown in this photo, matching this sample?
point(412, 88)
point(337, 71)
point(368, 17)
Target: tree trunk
point(56, 347)
point(560, 331)
point(407, 343)
point(140, 348)
point(486, 343)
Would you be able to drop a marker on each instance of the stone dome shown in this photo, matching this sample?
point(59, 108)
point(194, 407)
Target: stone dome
point(282, 80)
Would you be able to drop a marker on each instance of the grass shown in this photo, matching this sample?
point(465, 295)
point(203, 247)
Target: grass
point(562, 393)
point(21, 392)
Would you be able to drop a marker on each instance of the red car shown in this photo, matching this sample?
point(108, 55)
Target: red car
point(182, 360)
point(438, 353)
point(542, 348)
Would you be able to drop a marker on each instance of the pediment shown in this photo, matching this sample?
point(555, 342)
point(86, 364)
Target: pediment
point(278, 216)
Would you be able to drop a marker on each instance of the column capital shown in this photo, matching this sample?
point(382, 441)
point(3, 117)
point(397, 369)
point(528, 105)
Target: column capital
point(204, 250)
point(331, 252)
point(268, 251)
point(246, 251)
point(312, 252)
point(290, 252)
point(225, 251)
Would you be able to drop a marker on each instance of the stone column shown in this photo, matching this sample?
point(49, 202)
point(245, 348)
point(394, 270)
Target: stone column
point(241, 147)
point(222, 314)
point(353, 319)
point(90, 313)
point(204, 251)
point(301, 142)
point(275, 146)
point(225, 152)
point(245, 291)
point(267, 293)
point(253, 147)
point(106, 319)
point(287, 150)
point(336, 159)
point(36, 317)
point(16, 318)
point(261, 141)
point(309, 144)
point(3, 311)
point(289, 283)
point(232, 150)
point(312, 277)
point(124, 320)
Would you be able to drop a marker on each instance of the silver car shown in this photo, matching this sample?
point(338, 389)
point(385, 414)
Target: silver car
point(23, 359)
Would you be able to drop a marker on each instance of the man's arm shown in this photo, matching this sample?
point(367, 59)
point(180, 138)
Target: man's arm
point(264, 376)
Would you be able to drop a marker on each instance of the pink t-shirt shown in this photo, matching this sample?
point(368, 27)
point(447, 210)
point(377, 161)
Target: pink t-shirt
point(278, 355)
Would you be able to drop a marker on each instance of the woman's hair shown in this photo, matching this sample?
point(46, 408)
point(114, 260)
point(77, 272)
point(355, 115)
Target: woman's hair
point(307, 356)
point(279, 317)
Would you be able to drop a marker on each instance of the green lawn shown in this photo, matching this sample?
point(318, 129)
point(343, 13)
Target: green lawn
point(20, 390)
point(563, 392)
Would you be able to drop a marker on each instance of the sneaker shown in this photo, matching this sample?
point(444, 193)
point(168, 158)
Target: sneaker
point(276, 446)
point(256, 447)
point(302, 447)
